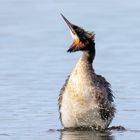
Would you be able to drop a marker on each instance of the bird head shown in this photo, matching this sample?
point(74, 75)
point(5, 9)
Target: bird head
point(82, 40)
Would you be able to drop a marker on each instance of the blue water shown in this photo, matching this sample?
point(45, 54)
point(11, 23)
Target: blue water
point(34, 64)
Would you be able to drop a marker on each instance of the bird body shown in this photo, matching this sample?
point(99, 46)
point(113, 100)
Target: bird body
point(86, 99)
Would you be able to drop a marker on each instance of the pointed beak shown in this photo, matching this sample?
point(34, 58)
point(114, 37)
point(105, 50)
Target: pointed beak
point(69, 24)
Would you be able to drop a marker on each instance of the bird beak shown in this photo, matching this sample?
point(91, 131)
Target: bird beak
point(70, 25)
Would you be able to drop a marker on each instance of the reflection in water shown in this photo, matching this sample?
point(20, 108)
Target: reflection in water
point(85, 135)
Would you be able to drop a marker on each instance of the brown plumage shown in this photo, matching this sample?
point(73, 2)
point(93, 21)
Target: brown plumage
point(61, 95)
point(86, 99)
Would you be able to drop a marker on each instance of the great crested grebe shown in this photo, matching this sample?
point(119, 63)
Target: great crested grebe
point(86, 99)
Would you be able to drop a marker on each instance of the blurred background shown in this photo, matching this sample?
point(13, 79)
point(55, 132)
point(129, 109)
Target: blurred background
point(34, 63)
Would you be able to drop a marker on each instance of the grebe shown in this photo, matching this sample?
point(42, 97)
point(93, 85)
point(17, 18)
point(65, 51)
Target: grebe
point(86, 99)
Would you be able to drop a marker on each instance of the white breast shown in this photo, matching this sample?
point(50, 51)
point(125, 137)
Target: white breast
point(79, 106)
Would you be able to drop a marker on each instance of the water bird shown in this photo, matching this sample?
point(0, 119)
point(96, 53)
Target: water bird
point(86, 99)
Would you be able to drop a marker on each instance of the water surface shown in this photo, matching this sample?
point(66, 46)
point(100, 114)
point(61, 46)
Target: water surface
point(34, 64)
